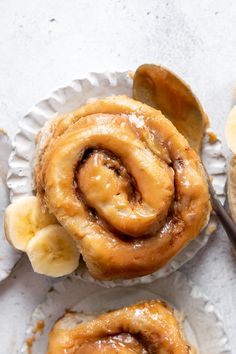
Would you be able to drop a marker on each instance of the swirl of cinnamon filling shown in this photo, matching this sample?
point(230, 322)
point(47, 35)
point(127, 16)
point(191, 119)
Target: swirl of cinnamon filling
point(124, 183)
point(148, 327)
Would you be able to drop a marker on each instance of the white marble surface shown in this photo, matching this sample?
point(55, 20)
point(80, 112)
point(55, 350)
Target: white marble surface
point(45, 44)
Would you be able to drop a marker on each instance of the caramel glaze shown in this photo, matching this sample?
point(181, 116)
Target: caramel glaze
point(121, 344)
point(124, 183)
point(145, 328)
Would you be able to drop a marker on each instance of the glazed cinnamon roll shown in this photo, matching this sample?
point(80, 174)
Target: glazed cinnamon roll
point(124, 183)
point(148, 327)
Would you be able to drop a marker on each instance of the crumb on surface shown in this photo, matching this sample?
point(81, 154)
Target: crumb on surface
point(212, 137)
point(211, 228)
point(29, 344)
point(39, 327)
point(2, 131)
point(131, 74)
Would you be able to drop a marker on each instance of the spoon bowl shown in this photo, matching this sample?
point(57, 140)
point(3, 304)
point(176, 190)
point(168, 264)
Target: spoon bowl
point(160, 88)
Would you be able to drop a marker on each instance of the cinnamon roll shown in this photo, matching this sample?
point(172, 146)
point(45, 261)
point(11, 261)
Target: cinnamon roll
point(148, 327)
point(124, 183)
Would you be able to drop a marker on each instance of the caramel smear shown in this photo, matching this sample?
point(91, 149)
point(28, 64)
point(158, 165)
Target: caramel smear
point(38, 329)
point(212, 137)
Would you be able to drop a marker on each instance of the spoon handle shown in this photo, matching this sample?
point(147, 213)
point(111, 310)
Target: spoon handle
point(225, 219)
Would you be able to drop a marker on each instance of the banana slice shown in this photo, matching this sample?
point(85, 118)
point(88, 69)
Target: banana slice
point(53, 252)
point(231, 130)
point(23, 218)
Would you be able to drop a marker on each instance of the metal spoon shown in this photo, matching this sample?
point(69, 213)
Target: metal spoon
point(162, 89)
point(225, 219)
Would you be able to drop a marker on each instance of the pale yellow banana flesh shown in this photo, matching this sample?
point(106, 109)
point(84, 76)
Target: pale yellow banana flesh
point(23, 219)
point(230, 130)
point(53, 252)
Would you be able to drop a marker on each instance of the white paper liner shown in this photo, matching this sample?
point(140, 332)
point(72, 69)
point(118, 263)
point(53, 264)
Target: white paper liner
point(202, 325)
point(66, 100)
point(9, 256)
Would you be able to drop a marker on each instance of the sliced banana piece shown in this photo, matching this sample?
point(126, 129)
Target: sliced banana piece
point(53, 252)
point(23, 218)
point(230, 130)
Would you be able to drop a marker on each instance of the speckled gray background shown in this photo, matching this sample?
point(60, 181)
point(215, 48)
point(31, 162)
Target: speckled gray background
point(46, 44)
